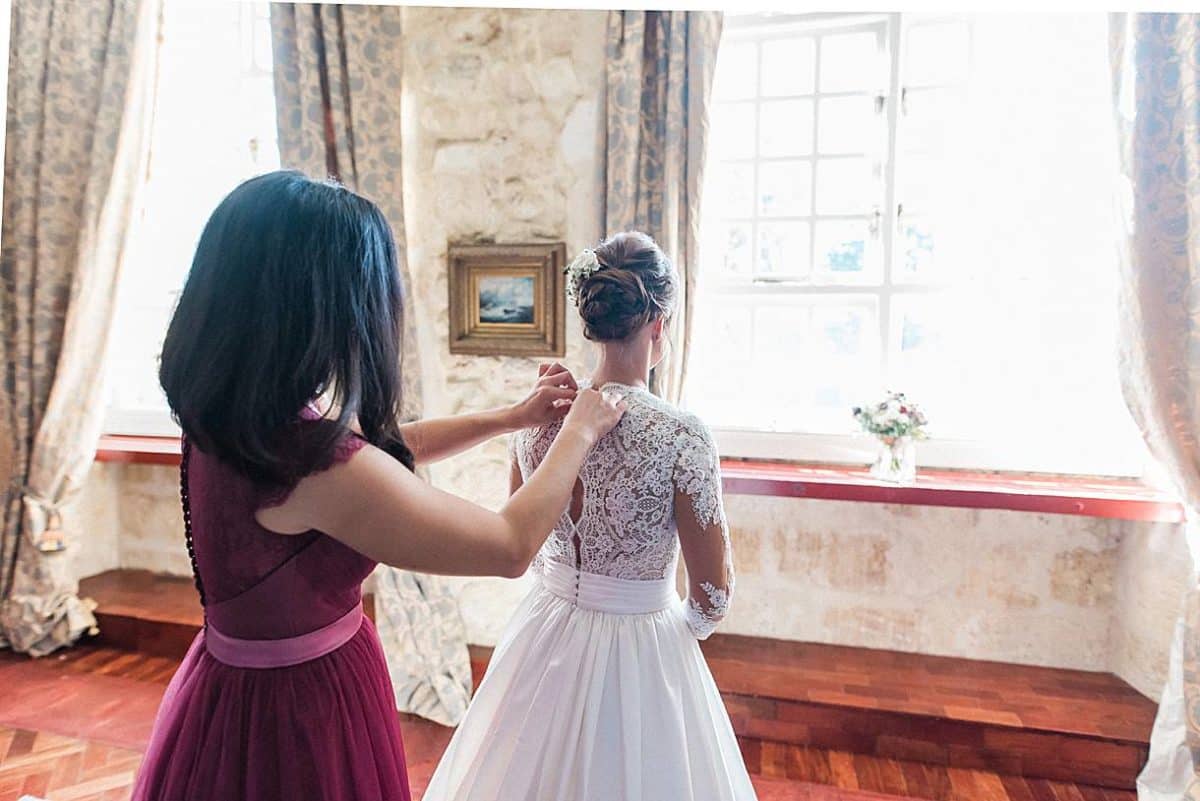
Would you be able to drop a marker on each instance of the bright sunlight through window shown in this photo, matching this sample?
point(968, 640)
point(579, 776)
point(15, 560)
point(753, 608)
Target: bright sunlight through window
point(921, 203)
point(213, 126)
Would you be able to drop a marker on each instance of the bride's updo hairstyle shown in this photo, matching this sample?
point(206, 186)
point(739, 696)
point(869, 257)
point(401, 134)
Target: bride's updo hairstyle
point(634, 285)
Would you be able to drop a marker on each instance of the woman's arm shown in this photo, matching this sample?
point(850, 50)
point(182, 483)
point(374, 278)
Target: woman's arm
point(440, 438)
point(706, 554)
point(375, 506)
point(703, 532)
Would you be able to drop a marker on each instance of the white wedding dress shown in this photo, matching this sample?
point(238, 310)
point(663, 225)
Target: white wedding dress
point(597, 690)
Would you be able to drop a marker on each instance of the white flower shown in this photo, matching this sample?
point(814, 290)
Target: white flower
point(584, 265)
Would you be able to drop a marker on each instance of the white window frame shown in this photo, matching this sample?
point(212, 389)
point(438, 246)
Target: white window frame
point(1092, 458)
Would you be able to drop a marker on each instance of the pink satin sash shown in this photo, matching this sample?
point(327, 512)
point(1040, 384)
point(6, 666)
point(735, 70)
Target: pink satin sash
point(283, 653)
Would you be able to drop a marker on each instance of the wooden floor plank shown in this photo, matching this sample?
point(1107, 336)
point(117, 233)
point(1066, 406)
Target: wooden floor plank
point(66, 768)
point(1049, 699)
point(841, 770)
point(886, 704)
point(1017, 789)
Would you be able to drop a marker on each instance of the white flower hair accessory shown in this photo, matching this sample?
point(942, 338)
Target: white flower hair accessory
point(584, 265)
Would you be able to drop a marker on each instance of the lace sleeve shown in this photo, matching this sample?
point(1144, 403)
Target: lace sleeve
point(703, 532)
point(698, 473)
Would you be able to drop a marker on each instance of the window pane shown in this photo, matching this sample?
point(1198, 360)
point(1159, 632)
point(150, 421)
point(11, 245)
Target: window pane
point(733, 130)
point(931, 120)
point(828, 347)
point(925, 184)
point(848, 125)
point(783, 248)
point(788, 66)
point(916, 241)
point(928, 344)
point(846, 186)
point(785, 128)
point(727, 248)
point(936, 54)
point(725, 340)
point(784, 188)
point(736, 75)
point(136, 344)
point(843, 362)
point(1003, 169)
point(844, 331)
point(729, 190)
point(213, 126)
point(781, 338)
point(260, 28)
point(778, 330)
point(845, 250)
point(850, 63)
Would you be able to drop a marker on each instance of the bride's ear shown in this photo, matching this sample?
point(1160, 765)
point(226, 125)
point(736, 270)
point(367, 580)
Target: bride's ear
point(656, 330)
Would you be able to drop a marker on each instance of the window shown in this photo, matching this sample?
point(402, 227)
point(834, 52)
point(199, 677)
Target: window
point(918, 202)
point(213, 126)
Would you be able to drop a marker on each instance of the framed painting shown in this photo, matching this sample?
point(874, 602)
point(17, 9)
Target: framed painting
point(507, 300)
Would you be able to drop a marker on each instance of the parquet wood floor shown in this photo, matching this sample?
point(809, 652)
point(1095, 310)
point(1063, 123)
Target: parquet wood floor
point(72, 728)
point(955, 717)
point(62, 768)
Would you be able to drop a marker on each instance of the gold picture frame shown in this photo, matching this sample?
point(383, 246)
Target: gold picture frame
point(507, 300)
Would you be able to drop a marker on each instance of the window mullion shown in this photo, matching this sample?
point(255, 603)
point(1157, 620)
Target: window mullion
point(888, 217)
point(815, 170)
point(758, 75)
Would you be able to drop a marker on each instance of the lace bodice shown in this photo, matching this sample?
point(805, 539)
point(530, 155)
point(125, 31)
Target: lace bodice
point(632, 479)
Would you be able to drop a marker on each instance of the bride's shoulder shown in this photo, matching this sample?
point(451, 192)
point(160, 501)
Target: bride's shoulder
point(683, 425)
point(695, 431)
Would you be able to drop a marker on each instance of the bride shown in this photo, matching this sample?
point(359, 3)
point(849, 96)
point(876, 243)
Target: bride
point(597, 689)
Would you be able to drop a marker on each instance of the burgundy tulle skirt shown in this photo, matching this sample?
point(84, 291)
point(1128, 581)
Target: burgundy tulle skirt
point(323, 730)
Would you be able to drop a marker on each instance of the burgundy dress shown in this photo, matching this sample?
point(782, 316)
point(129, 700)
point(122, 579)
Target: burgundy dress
point(321, 728)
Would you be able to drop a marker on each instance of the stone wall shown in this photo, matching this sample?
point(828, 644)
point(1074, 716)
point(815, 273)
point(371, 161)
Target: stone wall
point(94, 521)
point(128, 516)
point(502, 142)
point(1153, 570)
point(987, 584)
point(1009, 586)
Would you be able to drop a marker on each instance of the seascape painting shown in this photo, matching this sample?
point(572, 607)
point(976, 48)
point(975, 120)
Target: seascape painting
point(506, 299)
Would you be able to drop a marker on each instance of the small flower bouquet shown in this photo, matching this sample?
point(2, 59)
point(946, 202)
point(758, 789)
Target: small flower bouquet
point(896, 422)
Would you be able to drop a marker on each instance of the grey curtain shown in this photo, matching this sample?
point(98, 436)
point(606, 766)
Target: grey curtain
point(338, 76)
point(659, 70)
point(1156, 90)
point(76, 136)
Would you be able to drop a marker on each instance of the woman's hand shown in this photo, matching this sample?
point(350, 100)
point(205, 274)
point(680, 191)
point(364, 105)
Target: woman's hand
point(593, 414)
point(550, 399)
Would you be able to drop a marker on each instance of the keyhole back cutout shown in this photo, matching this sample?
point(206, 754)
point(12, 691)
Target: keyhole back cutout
point(576, 509)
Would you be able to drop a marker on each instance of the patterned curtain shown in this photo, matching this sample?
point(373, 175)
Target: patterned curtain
point(1156, 90)
point(659, 69)
point(337, 92)
point(76, 131)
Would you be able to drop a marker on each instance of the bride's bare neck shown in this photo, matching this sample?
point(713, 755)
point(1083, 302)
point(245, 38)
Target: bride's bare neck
point(625, 362)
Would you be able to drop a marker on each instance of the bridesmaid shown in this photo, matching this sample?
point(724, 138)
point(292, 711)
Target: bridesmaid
point(282, 366)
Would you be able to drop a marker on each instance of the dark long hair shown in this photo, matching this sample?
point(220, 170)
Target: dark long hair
point(294, 291)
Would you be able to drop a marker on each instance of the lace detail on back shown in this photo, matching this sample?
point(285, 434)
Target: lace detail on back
point(627, 526)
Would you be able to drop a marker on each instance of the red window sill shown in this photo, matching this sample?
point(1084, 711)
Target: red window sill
point(138, 450)
point(1120, 499)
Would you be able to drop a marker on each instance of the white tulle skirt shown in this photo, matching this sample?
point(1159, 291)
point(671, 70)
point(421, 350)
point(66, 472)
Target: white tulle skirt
point(596, 692)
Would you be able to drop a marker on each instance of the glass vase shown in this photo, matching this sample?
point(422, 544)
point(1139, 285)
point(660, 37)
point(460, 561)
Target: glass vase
point(896, 461)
